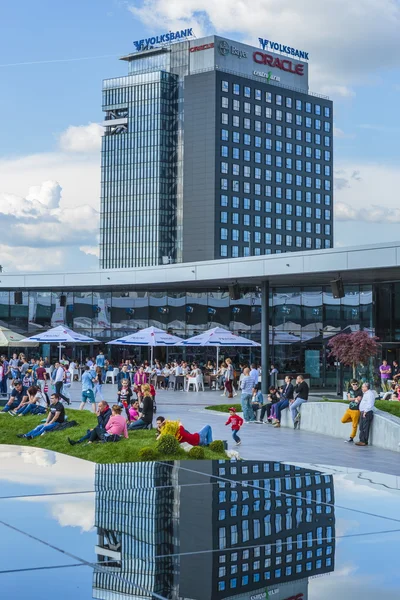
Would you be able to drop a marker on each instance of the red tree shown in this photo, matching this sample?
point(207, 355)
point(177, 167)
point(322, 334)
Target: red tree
point(351, 349)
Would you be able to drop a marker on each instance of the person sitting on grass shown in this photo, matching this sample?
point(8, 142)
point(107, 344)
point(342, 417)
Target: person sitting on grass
point(134, 411)
point(18, 396)
point(103, 416)
point(36, 404)
point(147, 411)
point(114, 429)
point(55, 417)
point(175, 428)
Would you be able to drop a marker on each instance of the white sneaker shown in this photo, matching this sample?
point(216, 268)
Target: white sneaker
point(222, 395)
point(238, 443)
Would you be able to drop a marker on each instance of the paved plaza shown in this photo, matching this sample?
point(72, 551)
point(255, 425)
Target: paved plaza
point(261, 442)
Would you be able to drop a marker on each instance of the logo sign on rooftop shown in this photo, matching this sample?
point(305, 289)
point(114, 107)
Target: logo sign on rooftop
point(270, 45)
point(225, 48)
point(164, 38)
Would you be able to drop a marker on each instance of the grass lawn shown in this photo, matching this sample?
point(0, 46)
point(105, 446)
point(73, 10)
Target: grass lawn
point(390, 406)
point(123, 451)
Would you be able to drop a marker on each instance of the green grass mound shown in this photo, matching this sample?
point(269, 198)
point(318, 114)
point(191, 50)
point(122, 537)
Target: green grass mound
point(224, 407)
point(147, 453)
point(126, 450)
point(197, 453)
point(168, 445)
point(217, 446)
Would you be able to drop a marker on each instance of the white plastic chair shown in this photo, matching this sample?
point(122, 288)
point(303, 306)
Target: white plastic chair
point(112, 375)
point(196, 382)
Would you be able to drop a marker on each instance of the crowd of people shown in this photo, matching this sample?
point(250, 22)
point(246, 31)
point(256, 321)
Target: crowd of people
point(37, 387)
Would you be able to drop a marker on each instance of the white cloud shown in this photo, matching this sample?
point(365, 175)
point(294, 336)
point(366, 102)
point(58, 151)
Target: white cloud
point(81, 138)
point(344, 39)
point(91, 250)
point(339, 133)
point(374, 213)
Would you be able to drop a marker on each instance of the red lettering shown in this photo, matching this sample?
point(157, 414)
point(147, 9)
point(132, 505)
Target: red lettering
point(284, 65)
point(259, 57)
point(297, 597)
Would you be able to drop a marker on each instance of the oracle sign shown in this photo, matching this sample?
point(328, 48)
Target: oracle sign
point(273, 61)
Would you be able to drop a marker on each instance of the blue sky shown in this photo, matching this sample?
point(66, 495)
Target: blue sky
point(47, 108)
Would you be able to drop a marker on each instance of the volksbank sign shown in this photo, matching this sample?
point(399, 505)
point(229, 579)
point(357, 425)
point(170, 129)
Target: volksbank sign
point(269, 45)
point(164, 38)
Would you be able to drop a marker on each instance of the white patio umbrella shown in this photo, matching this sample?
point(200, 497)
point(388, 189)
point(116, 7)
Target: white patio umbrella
point(10, 339)
point(151, 336)
point(60, 335)
point(219, 337)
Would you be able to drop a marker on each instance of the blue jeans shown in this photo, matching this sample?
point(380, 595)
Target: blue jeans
point(40, 429)
point(12, 406)
point(24, 410)
point(235, 435)
point(205, 436)
point(295, 407)
point(279, 407)
point(248, 413)
point(139, 424)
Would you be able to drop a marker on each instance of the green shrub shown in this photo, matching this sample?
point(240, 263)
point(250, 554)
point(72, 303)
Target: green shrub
point(224, 407)
point(168, 445)
point(147, 453)
point(197, 452)
point(217, 446)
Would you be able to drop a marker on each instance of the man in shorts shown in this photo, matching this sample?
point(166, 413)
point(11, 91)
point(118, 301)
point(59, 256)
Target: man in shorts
point(87, 389)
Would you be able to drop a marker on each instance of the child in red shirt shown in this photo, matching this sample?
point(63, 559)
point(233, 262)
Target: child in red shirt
point(236, 423)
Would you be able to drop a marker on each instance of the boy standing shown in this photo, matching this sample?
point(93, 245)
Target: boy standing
point(236, 422)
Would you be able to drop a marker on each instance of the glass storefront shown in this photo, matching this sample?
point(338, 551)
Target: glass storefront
point(303, 319)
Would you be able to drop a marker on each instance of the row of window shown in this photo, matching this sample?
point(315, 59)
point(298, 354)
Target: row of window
point(279, 115)
point(249, 140)
point(235, 217)
point(278, 224)
point(249, 188)
point(259, 158)
point(278, 99)
point(256, 125)
point(258, 173)
point(245, 203)
point(288, 240)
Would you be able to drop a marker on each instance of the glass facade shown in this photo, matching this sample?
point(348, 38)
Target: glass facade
point(302, 320)
point(138, 166)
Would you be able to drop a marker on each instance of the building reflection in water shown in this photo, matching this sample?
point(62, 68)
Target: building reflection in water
point(210, 530)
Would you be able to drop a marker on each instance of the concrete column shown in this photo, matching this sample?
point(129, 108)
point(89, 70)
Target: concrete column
point(265, 336)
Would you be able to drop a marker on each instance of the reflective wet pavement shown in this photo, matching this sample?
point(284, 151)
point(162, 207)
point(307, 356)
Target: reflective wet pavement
point(198, 530)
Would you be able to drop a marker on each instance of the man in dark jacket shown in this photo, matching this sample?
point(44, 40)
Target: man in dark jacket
point(103, 415)
point(301, 395)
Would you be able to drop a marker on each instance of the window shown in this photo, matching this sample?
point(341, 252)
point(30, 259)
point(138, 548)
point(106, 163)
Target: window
point(268, 190)
point(268, 112)
point(268, 144)
point(308, 242)
point(278, 100)
point(278, 146)
point(224, 151)
point(257, 110)
point(268, 175)
point(327, 230)
point(298, 105)
point(268, 97)
point(289, 148)
point(235, 202)
point(318, 213)
point(224, 118)
point(224, 250)
point(246, 220)
point(288, 132)
point(224, 184)
point(327, 140)
point(327, 214)
point(246, 155)
point(246, 123)
point(268, 206)
point(299, 135)
point(224, 167)
point(299, 120)
point(278, 239)
point(236, 89)
point(235, 251)
point(289, 179)
point(327, 185)
point(298, 242)
point(257, 221)
point(308, 122)
point(225, 86)
point(257, 157)
point(288, 240)
point(221, 586)
point(268, 128)
point(257, 237)
point(278, 176)
point(318, 124)
point(235, 218)
point(288, 224)
point(246, 171)
point(278, 208)
point(224, 233)
point(327, 170)
point(289, 209)
point(235, 235)
point(236, 137)
point(235, 121)
point(235, 185)
point(278, 115)
point(317, 153)
point(308, 107)
point(257, 141)
point(309, 182)
point(257, 173)
point(224, 217)
point(318, 228)
point(327, 111)
point(278, 130)
point(299, 180)
point(224, 102)
point(299, 149)
point(224, 135)
point(289, 117)
point(224, 200)
point(236, 105)
point(299, 226)
point(278, 223)
point(268, 240)
point(318, 243)
point(327, 200)
point(247, 92)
